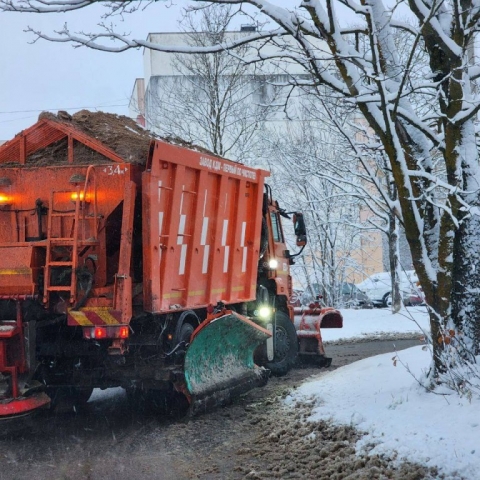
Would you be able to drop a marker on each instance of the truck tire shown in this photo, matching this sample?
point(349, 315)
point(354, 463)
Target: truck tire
point(183, 335)
point(285, 346)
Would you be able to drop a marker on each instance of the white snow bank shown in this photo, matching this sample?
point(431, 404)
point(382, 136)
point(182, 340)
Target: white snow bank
point(399, 417)
point(361, 324)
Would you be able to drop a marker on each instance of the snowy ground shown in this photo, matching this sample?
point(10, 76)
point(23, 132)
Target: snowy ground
point(382, 398)
point(378, 322)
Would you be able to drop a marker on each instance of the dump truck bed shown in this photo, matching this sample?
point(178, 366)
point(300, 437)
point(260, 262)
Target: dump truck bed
point(201, 229)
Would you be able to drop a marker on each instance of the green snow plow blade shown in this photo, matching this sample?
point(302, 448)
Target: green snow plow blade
point(219, 361)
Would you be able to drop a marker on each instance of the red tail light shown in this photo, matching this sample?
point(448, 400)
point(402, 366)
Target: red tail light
point(100, 332)
point(110, 331)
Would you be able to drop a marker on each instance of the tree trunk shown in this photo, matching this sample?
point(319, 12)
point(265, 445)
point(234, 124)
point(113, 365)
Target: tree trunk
point(394, 263)
point(466, 283)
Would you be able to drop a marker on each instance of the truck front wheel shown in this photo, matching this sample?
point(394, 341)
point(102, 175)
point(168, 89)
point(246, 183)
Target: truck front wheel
point(285, 345)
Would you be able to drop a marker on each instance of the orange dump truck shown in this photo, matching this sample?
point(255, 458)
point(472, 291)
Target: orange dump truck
point(162, 276)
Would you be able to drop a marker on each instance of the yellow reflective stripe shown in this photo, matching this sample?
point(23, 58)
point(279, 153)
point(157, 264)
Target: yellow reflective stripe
point(219, 290)
point(172, 295)
point(196, 293)
point(15, 271)
point(101, 312)
point(80, 318)
point(106, 317)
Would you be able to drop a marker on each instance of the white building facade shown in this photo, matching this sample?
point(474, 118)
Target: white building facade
point(174, 99)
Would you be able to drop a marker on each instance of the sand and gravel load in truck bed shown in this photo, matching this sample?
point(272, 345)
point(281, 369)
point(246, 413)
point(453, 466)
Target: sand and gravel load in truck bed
point(119, 133)
point(97, 137)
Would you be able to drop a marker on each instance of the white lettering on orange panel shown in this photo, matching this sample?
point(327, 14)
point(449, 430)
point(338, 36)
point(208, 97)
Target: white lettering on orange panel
point(218, 165)
point(210, 163)
point(115, 170)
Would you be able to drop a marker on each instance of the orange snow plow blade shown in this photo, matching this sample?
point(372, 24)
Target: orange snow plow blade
point(308, 323)
point(219, 361)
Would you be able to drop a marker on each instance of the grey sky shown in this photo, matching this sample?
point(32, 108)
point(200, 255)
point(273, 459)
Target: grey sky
point(57, 76)
point(45, 75)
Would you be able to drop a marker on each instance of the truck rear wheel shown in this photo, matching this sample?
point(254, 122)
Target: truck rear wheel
point(181, 342)
point(285, 345)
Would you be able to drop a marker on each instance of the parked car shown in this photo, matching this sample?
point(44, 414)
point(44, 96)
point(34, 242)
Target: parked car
point(350, 297)
point(353, 297)
point(379, 288)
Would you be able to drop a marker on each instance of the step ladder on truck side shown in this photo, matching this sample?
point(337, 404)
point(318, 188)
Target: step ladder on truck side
point(70, 243)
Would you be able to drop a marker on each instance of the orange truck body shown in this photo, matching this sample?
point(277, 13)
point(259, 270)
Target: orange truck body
point(125, 254)
point(200, 231)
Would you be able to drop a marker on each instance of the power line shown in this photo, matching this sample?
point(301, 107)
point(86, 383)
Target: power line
point(17, 119)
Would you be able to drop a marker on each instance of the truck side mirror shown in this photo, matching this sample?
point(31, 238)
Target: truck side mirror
point(300, 229)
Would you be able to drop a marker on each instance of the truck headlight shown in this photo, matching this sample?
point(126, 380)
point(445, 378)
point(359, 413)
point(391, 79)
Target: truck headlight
point(273, 263)
point(264, 313)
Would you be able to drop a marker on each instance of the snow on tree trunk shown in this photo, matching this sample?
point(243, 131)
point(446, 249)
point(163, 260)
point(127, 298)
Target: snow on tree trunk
point(394, 265)
point(466, 245)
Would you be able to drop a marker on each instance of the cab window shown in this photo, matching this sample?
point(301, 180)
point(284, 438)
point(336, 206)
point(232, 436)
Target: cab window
point(276, 228)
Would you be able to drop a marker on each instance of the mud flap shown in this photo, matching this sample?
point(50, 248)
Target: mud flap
point(219, 361)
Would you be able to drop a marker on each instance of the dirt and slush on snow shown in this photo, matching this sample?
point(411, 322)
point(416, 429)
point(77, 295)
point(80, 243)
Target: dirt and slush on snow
point(257, 437)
